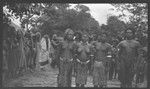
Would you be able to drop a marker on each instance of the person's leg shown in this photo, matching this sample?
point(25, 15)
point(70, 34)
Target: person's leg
point(82, 85)
point(115, 70)
point(61, 78)
point(95, 85)
point(101, 86)
point(142, 77)
point(110, 71)
point(95, 74)
point(68, 75)
point(137, 78)
point(122, 76)
point(129, 77)
point(77, 85)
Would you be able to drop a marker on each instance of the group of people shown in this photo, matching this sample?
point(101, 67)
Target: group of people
point(80, 55)
point(23, 52)
point(99, 58)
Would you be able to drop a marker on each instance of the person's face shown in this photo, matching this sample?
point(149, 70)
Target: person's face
point(114, 43)
point(129, 34)
point(85, 38)
point(99, 38)
point(103, 38)
point(70, 36)
point(55, 36)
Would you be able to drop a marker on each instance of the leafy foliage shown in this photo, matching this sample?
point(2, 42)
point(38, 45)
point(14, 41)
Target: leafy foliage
point(139, 18)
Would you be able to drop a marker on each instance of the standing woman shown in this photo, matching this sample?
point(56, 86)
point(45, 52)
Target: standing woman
point(54, 51)
point(5, 64)
point(38, 49)
point(44, 54)
point(99, 74)
point(83, 54)
point(77, 39)
point(66, 53)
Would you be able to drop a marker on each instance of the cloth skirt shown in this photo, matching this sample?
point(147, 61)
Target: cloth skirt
point(99, 74)
point(65, 74)
point(81, 73)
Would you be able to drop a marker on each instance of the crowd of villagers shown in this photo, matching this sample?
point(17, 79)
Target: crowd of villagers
point(75, 54)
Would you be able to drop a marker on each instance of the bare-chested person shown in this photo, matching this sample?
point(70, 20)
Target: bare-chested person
point(128, 53)
point(83, 54)
point(113, 61)
point(99, 73)
point(66, 55)
point(5, 64)
point(54, 43)
point(77, 39)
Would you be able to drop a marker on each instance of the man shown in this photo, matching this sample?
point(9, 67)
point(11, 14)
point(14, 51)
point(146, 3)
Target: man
point(141, 65)
point(128, 53)
point(99, 72)
point(113, 61)
point(65, 56)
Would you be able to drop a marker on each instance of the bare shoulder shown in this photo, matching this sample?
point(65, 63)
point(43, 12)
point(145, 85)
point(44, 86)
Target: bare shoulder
point(75, 43)
point(136, 42)
point(122, 42)
point(78, 43)
point(93, 42)
point(108, 45)
point(145, 49)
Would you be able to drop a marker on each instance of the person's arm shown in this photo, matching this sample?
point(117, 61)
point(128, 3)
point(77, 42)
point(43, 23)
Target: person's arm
point(59, 51)
point(75, 52)
point(138, 52)
point(119, 51)
point(145, 52)
point(49, 43)
point(109, 51)
point(92, 56)
point(54, 44)
point(139, 48)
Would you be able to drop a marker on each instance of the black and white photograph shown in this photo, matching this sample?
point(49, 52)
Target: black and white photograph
point(101, 45)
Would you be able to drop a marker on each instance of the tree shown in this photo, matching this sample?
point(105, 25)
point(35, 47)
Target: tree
point(115, 26)
point(78, 19)
point(139, 18)
point(49, 18)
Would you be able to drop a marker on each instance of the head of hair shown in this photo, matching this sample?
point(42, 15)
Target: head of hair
point(85, 36)
point(78, 36)
point(68, 31)
point(38, 36)
point(129, 29)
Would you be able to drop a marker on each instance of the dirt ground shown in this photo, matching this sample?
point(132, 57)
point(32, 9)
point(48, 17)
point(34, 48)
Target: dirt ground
point(48, 78)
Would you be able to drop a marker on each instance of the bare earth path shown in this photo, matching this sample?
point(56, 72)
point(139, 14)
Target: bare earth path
point(48, 78)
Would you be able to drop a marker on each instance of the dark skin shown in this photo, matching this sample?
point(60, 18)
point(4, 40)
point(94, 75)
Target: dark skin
point(128, 53)
point(55, 42)
point(65, 56)
point(83, 51)
point(129, 46)
point(102, 49)
point(67, 47)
